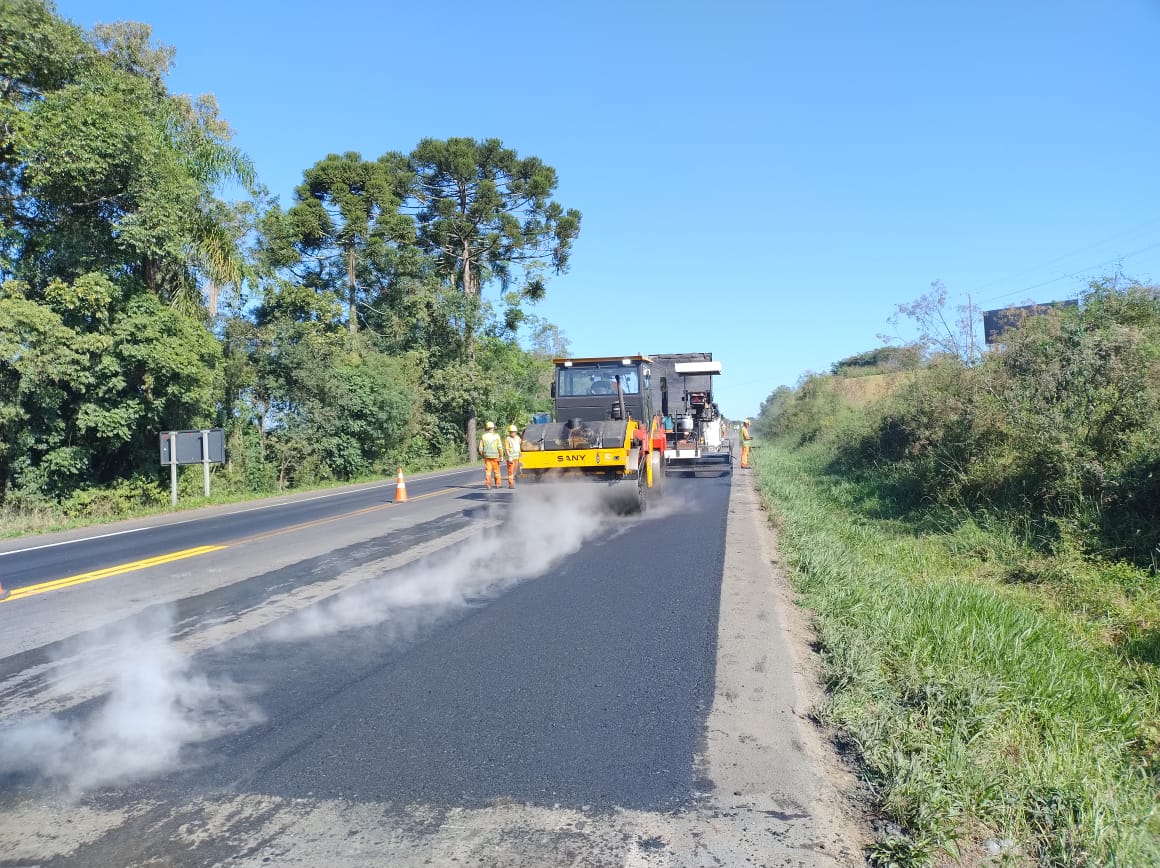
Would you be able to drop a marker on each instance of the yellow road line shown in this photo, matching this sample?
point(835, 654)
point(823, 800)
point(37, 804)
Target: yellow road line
point(81, 578)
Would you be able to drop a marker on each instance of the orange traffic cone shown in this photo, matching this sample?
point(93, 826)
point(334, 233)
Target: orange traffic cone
point(3, 593)
point(401, 489)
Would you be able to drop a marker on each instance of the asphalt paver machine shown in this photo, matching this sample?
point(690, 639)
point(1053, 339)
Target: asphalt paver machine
point(697, 444)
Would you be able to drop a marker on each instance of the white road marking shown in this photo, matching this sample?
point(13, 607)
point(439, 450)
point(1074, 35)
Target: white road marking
point(66, 542)
point(70, 541)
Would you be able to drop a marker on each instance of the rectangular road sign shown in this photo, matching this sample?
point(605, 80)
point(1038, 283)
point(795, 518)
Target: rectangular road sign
point(189, 446)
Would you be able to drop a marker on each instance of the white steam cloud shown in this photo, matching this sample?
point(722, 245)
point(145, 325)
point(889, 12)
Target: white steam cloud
point(155, 707)
point(546, 523)
point(152, 705)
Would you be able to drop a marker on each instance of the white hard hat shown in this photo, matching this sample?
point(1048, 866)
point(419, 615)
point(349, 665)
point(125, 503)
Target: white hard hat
point(489, 425)
point(514, 429)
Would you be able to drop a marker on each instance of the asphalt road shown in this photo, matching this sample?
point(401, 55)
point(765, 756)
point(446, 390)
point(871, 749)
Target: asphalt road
point(588, 686)
point(412, 679)
point(28, 562)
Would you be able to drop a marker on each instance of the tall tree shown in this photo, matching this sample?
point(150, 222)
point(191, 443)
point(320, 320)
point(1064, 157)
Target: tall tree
point(110, 222)
point(346, 211)
point(487, 214)
point(39, 53)
point(111, 173)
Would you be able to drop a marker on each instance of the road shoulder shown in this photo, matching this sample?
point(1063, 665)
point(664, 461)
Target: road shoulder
point(765, 753)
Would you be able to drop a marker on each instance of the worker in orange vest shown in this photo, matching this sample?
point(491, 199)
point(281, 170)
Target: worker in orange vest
point(490, 447)
point(746, 437)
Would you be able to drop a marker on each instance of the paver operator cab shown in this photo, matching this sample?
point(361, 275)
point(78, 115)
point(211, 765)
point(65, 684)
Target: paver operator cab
point(605, 430)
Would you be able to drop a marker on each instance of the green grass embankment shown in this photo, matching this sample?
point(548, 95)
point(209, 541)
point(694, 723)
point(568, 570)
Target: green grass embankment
point(998, 720)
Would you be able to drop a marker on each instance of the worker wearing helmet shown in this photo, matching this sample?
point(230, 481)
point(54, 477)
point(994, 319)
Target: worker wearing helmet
point(490, 447)
point(511, 450)
point(746, 438)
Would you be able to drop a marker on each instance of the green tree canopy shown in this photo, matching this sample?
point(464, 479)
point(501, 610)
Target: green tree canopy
point(345, 217)
point(486, 214)
point(106, 170)
point(112, 233)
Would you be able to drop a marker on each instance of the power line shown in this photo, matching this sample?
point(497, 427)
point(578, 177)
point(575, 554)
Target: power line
point(1074, 274)
point(1095, 244)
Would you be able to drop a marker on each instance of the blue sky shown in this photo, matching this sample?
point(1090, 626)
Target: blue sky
point(762, 180)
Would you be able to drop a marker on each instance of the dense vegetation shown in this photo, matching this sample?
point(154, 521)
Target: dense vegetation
point(1056, 431)
point(331, 339)
point(977, 534)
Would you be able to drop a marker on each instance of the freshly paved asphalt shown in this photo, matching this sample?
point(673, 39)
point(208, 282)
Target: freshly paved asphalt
point(586, 687)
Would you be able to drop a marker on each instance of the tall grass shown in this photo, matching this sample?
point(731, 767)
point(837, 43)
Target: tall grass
point(982, 708)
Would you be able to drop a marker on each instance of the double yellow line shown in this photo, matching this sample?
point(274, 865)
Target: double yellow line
point(82, 578)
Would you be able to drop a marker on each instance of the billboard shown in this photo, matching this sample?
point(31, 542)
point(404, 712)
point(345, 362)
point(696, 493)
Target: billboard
point(996, 322)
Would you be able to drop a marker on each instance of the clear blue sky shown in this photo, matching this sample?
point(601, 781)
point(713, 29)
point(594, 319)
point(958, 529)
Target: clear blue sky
point(763, 180)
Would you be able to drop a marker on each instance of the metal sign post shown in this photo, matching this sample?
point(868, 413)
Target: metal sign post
point(204, 447)
point(172, 467)
point(205, 458)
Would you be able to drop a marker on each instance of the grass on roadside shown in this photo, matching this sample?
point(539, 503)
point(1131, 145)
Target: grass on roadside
point(984, 706)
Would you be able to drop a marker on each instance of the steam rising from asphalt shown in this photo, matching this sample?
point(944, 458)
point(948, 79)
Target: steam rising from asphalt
point(151, 704)
point(156, 706)
point(546, 523)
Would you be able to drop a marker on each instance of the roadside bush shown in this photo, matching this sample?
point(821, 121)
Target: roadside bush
point(115, 501)
point(1057, 430)
point(816, 412)
point(879, 361)
point(938, 428)
point(250, 471)
point(22, 512)
point(1128, 521)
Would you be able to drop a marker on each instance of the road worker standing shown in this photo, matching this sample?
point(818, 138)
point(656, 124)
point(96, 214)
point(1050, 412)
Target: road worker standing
point(490, 447)
point(511, 450)
point(746, 439)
